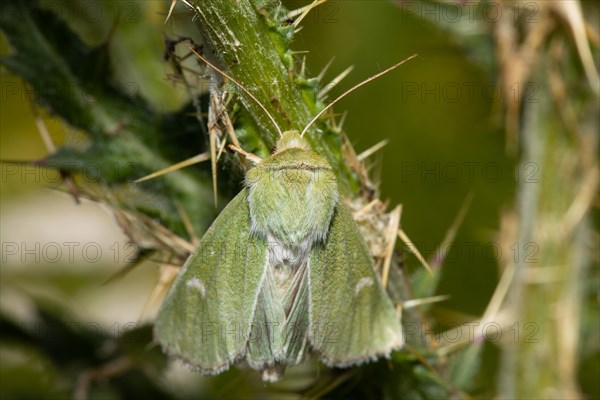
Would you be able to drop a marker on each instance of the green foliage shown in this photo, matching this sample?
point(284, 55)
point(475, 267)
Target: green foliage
point(127, 139)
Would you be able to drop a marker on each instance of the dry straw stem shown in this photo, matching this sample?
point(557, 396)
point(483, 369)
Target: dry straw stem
point(544, 284)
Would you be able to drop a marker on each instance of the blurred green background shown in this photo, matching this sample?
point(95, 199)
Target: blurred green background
point(440, 113)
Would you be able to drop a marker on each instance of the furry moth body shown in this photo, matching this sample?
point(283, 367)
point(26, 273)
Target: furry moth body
point(282, 272)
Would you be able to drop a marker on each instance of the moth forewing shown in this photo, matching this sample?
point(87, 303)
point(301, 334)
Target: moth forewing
point(352, 318)
point(204, 318)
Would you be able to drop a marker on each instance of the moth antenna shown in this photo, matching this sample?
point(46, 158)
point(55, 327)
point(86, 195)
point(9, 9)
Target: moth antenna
point(353, 88)
point(240, 86)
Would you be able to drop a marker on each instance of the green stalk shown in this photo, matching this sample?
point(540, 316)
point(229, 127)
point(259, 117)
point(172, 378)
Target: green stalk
point(250, 41)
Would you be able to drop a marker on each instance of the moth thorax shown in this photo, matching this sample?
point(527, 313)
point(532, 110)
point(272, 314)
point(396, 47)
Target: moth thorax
point(292, 197)
point(291, 140)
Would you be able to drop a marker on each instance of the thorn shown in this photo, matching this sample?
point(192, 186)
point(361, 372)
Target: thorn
point(141, 255)
point(166, 277)
point(221, 148)
point(340, 124)
point(43, 131)
point(334, 82)
point(573, 16)
point(300, 13)
point(249, 156)
point(324, 70)
point(372, 150)
point(173, 3)
point(212, 134)
point(438, 257)
point(49, 143)
point(231, 131)
point(213, 166)
point(187, 223)
point(427, 300)
point(186, 163)
point(303, 66)
point(413, 249)
point(366, 209)
point(187, 3)
point(393, 226)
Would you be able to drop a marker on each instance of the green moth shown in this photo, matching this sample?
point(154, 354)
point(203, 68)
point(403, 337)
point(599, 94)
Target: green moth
point(282, 272)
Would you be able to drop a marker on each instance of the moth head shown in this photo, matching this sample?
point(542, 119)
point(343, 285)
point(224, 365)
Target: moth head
point(292, 140)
